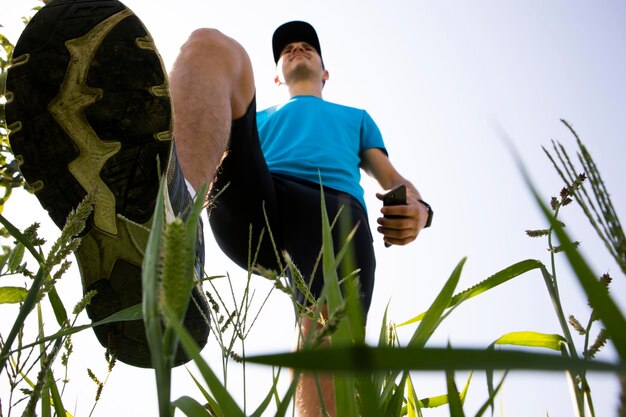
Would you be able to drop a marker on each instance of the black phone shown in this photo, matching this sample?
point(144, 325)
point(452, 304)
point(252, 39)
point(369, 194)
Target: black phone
point(395, 197)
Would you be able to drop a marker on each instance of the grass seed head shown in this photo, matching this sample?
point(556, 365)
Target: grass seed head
point(84, 302)
point(537, 233)
point(31, 234)
point(214, 305)
point(177, 272)
point(606, 280)
point(576, 325)
point(111, 359)
point(69, 349)
point(554, 203)
point(597, 345)
point(234, 356)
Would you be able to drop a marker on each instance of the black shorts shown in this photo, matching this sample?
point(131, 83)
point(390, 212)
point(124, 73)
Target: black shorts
point(245, 189)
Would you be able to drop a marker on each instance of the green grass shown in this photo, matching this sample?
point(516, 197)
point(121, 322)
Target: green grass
point(370, 381)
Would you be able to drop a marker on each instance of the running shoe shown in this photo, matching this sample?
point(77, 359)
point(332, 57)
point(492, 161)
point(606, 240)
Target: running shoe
point(88, 110)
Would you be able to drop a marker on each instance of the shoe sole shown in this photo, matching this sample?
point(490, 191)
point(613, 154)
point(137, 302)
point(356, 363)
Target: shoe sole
point(89, 111)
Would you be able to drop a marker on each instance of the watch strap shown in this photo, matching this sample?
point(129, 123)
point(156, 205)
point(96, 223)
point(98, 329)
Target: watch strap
point(430, 213)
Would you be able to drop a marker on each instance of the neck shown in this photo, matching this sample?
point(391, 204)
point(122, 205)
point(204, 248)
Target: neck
point(305, 88)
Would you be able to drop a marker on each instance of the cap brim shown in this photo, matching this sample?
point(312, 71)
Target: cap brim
point(295, 31)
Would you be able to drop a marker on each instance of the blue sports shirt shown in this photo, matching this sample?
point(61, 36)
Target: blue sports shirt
point(308, 136)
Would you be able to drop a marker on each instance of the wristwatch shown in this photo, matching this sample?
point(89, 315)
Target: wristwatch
point(430, 213)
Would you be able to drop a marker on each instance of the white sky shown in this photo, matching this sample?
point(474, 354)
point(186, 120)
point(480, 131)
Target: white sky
point(438, 78)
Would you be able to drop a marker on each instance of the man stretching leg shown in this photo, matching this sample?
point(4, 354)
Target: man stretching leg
point(106, 102)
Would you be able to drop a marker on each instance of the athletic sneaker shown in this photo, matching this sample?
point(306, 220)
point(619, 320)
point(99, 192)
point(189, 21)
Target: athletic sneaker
point(89, 111)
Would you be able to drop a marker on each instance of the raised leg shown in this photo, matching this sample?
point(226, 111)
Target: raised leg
point(211, 84)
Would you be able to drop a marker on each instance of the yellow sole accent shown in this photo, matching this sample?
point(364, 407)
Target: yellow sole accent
point(162, 90)
point(20, 60)
point(99, 251)
point(67, 108)
point(36, 186)
point(15, 127)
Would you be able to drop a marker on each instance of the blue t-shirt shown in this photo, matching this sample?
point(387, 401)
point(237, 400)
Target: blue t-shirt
point(308, 136)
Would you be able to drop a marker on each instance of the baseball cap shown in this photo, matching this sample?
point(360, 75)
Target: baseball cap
point(295, 31)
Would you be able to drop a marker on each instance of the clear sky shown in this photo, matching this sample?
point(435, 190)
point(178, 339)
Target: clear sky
point(442, 80)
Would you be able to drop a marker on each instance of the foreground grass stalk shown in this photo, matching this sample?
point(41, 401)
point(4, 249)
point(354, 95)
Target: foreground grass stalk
point(152, 322)
point(167, 279)
point(31, 298)
point(552, 287)
point(609, 230)
point(599, 210)
point(25, 310)
point(42, 281)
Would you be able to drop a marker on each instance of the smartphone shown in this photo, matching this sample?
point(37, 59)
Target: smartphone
point(395, 197)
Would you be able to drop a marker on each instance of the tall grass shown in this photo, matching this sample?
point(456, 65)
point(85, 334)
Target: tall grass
point(369, 381)
point(374, 380)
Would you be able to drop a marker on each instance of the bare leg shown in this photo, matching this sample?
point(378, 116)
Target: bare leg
point(311, 385)
point(211, 84)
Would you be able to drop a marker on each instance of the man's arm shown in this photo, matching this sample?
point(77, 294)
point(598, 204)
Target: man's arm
point(412, 216)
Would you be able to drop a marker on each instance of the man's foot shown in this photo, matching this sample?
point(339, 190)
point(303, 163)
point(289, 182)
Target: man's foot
point(89, 111)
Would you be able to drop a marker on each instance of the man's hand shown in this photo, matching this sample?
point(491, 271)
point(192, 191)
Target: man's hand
point(406, 221)
point(412, 217)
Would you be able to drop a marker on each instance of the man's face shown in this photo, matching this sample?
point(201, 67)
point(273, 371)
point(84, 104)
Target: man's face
point(299, 61)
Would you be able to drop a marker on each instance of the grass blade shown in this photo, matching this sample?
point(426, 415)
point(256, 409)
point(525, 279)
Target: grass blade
point(210, 400)
point(439, 400)
point(12, 295)
point(463, 393)
point(268, 398)
point(492, 396)
point(151, 261)
point(347, 331)
point(375, 359)
point(332, 290)
point(533, 339)
point(394, 407)
point(227, 405)
point(15, 257)
point(284, 404)
point(379, 379)
point(191, 407)
point(151, 318)
point(412, 403)
point(493, 281)
point(57, 402)
point(369, 397)
point(432, 317)
point(454, 400)
point(128, 314)
point(57, 306)
point(25, 310)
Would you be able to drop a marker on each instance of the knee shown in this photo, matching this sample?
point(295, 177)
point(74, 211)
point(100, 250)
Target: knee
point(207, 35)
point(228, 61)
point(212, 41)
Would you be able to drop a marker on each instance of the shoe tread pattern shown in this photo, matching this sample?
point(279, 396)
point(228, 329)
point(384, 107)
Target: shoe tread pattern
point(128, 113)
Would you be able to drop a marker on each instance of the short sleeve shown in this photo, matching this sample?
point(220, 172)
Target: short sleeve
point(370, 135)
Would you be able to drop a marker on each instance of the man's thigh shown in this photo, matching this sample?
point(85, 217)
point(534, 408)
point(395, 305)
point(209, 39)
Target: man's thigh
point(243, 194)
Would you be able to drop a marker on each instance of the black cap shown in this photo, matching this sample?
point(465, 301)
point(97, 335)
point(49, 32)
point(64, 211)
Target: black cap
point(295, 31)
